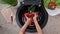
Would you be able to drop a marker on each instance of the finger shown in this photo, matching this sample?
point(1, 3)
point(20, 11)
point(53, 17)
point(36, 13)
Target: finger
point(35, 14)
point(26, 16)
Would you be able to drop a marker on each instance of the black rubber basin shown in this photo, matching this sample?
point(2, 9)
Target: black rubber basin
point(42, 19)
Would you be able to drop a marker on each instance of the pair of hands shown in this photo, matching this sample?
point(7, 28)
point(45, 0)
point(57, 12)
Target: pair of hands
point(30, 19)
point(22, 30)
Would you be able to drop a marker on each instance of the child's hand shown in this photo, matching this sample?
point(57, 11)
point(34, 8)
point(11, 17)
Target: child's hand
point(29, 20)
point(35, 16)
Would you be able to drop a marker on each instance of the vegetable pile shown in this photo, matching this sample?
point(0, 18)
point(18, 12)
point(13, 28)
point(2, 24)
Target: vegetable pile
point(31, 13)
point(56, 3)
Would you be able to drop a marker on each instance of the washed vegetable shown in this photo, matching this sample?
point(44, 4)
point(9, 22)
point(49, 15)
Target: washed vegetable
point(57, 2)
point(52, 5)
point(31, 15)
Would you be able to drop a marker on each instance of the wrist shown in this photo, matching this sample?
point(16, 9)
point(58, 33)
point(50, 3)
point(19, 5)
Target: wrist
point(34, 19)
point(27, 22)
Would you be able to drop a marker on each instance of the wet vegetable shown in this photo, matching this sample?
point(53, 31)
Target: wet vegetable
point(31, 16)
point(52, 5)
point(57, 2)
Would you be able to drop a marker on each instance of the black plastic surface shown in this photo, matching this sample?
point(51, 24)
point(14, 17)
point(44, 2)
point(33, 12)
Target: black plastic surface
point(23, 9)
point(43, 14)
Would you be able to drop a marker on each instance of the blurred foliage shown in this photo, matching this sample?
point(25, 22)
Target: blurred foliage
point(46, 2)
point(33, 9)
point(10, 2)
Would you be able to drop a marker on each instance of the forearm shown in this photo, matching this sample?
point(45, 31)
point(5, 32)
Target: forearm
point(37, 27)
point(24, 27)
point(22, 30)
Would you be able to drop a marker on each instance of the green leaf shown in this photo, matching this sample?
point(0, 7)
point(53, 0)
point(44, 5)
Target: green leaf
point(33, 9)
point(10, 2)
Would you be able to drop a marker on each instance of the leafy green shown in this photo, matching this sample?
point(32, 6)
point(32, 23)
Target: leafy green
point(10, 2)
point(33, 9)
point(46, 2)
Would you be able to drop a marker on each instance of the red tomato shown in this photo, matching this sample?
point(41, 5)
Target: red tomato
point(32, 15)
point(29, 15)
point(51, 4)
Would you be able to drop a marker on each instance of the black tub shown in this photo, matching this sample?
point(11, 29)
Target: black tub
point(43, 17)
